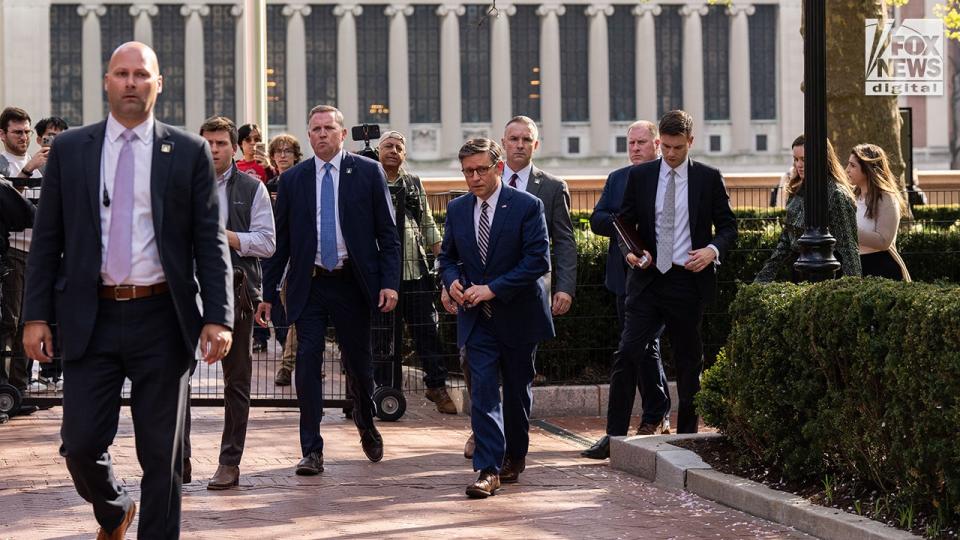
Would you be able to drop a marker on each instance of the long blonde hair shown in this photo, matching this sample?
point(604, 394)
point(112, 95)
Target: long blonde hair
point(876, 167)
point(834, 171)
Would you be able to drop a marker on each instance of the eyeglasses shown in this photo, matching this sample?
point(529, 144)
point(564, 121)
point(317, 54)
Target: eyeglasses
point(468, 173)
point(19, 132)
point(284, 152)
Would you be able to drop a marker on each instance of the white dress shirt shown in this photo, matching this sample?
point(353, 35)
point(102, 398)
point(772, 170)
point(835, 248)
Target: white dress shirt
point(682, 241)
point(261, 240)
point(21, 240)
point(492, 201)
point(335, 173)
point(523, 175)
point(145, 268)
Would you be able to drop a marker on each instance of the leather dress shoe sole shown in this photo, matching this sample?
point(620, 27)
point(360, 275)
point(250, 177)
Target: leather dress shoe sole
point(121, 530)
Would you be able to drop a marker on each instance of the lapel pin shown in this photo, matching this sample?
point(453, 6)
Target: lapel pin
point(166, 148)
point(503, 206)
point(348, 171)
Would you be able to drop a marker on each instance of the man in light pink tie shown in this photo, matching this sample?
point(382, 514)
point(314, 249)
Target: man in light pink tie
point(127, 233)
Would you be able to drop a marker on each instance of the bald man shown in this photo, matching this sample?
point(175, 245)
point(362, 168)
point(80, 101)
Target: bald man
point(127, 228)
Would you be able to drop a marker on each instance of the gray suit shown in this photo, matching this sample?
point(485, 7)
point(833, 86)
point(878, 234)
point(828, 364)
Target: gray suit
point(556, 208)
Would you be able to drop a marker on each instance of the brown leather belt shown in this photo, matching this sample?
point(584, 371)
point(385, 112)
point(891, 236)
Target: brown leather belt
point(132, 292)
point(319, 271)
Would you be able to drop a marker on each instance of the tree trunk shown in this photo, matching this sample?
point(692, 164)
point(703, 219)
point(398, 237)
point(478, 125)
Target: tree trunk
point(852, 116)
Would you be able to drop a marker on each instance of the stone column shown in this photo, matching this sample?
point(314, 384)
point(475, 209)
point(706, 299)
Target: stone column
point(347, 89)
point(693, 69)
point(789, 81)
point(550, 91)
point(194, 76)
point(741, 128)
point(598, 74)
point(142, 28)
point(296, 68)
point(92, 62)
point(399, 71)
point(645, 65)
point(501, 88)
point(239, 68)
point(451, 137)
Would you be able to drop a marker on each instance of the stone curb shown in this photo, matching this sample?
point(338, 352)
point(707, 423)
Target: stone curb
point(655, 459)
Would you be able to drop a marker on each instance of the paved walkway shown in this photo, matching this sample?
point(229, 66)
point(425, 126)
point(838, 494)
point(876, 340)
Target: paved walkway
point(416, 492)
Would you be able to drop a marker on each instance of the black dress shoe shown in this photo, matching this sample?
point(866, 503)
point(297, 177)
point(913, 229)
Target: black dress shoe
point(186, 476)
point(311, 464)
point(599, 450)
point(512, 467)
point(372, 444)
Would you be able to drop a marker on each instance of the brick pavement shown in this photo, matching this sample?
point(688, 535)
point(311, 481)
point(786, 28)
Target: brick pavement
point(417, 491)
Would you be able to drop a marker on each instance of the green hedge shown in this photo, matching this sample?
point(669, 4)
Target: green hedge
point(857, 375)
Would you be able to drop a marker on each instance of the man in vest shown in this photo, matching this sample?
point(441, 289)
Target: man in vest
point(247, 215)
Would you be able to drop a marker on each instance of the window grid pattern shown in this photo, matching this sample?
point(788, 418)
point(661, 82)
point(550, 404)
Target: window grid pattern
point(372, 76)
point(525, 61)
point(321, 28)
point(66, 63)
point(219, 57)
point(716, 64)
point(423, 55)
point(169, 30)
point(574, 56)
point(276, 65)
point(621, 43)
point(116, 28)
point(763, 62)
point(475, 64)
point(669, 37)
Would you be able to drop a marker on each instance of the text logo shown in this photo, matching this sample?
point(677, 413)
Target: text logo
point(904, 59)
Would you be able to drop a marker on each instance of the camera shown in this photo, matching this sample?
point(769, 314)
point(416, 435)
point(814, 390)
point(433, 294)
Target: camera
point(366, 132)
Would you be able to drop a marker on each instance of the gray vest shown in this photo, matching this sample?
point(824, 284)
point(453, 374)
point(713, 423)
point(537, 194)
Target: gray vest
point(241, 191)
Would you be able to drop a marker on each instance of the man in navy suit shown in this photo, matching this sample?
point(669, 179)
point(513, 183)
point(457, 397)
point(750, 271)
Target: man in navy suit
point(335, 228)
point(127, 226)
point(643, 145)
point(681, 210)
point(494, 255)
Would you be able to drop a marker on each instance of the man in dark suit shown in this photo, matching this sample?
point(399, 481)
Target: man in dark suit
point(335, 227)
point(128, 224)
point(682, 213)
point(495, 252)
point(643, 145)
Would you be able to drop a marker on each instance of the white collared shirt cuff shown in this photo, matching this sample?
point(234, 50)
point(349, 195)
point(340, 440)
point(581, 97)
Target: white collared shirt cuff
point(716, 252)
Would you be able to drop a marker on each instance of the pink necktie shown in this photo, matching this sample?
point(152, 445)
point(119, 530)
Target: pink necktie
point(120, 240)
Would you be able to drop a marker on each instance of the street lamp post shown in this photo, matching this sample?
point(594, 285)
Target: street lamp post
point(816, 261)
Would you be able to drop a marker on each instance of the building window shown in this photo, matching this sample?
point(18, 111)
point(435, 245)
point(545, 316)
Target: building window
point(525, 61)
point(169, 28)
point(573, 145)
point(763, 62)
point(116, 28)
point(669, 59)
point(716, 143)
point(761, 142)
point(66, 63)
point(320, 27)
point(621, 144)
point(574, 55)
point(716, 64)
point(373, 81)
point(276, 65)
point(475, 64)
point(621, 43)
point(423, 35)
point(219, 61)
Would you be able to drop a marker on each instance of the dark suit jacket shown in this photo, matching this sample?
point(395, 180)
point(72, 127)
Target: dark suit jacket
point(711, 219)
point(366, 221)
point(601, 222)
point(518, 255)
point(553, 192)
point(63, 268)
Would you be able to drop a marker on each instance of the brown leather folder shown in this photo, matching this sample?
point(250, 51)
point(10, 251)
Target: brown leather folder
point(628, 235)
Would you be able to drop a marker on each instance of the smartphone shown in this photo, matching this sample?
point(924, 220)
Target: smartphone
point(47, 139)
point(260, 147)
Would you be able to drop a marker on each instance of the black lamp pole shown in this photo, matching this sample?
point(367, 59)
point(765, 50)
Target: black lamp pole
point(816, 261)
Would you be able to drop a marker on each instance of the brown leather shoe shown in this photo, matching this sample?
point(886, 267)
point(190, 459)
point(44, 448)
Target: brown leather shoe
point(512, 467)
point(486, 485)
point(121, 530)
point(662, 428)
point(470, 446)
point(226, 477)
point(282, 378)
point(440, 396)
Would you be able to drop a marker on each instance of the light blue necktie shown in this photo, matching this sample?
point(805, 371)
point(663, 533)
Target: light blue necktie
point(328, 220)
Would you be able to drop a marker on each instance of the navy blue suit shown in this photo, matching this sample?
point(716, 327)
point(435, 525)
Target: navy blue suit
point(346, 298)
point(601, 222)
point(518, 255)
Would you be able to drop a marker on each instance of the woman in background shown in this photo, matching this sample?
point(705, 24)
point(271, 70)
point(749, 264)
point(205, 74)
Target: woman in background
point(255, 161)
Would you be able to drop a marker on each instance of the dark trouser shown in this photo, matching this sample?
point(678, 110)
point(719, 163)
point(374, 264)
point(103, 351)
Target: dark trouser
point(881, 264)
point(139, 340)
point(500, 430)
point(237, 368)
point(341, 300)
point(420, 314)
point(11, 331)
point(626, 374)
point(670, 301)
